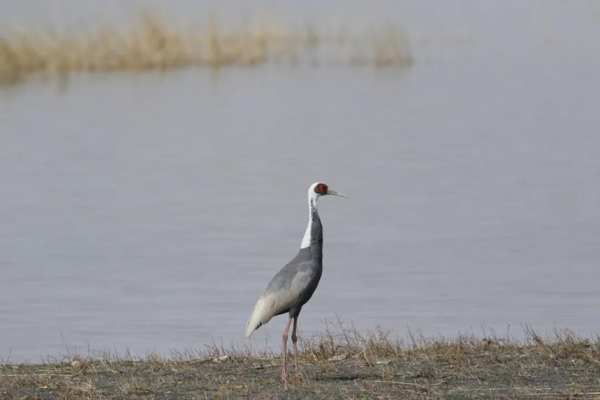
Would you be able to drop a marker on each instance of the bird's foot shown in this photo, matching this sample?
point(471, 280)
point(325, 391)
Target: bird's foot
point(298, 376)
point(284, 378)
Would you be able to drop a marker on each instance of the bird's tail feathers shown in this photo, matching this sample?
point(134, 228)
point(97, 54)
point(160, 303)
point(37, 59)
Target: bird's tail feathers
point(262, 313)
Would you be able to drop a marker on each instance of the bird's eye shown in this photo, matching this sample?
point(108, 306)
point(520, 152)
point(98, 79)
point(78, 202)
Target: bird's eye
point(321, 188)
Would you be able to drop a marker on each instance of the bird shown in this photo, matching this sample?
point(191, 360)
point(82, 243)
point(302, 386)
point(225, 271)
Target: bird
point(296, 282)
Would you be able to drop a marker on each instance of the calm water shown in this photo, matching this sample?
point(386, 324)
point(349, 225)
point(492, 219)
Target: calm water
point(147, 212)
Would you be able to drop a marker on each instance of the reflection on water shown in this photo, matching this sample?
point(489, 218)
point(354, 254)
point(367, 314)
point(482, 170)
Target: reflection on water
point(146, 212)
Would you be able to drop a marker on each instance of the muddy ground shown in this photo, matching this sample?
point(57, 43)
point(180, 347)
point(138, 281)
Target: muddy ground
point(356, 367)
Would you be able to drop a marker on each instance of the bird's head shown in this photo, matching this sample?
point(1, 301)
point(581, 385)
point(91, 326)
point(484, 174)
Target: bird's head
point(319, 189)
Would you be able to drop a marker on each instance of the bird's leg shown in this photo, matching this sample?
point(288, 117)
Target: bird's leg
point(284, 374)
point(295, 342)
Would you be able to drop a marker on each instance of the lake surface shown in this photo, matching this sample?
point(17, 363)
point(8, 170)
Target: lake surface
point(146, 212)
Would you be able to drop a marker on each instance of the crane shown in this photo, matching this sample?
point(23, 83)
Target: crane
point(296, 282)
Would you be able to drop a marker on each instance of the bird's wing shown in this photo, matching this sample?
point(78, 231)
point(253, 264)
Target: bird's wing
point(283, 292)
point(291, 285)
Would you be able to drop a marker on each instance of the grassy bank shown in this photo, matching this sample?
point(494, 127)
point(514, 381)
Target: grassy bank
point(345, 365)
point(152, 43)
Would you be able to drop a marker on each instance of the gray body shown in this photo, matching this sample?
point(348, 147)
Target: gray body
point(295, 283)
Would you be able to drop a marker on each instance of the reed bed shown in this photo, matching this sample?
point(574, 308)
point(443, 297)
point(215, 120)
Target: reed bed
point(153, 44)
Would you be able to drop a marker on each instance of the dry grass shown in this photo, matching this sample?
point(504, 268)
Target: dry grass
point(151, 43)
point(341, 364)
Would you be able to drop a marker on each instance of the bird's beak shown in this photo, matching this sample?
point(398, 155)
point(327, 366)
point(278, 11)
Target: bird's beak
point(334, 193)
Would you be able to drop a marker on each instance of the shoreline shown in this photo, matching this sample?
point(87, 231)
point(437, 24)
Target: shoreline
point(341, 365)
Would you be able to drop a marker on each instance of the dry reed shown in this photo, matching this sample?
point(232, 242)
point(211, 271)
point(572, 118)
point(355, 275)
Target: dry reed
point(151, 43)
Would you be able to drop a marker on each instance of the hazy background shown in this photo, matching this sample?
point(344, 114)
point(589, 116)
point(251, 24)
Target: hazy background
point(148, 211)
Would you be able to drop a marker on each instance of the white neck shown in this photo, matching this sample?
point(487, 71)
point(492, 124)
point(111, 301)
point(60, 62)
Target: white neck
point(312, 204)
